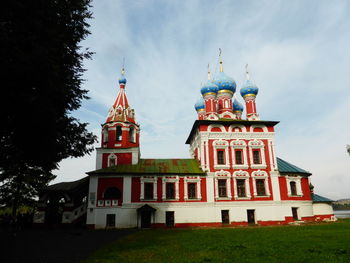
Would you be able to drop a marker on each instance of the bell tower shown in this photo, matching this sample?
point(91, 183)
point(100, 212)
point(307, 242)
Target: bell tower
point(120, 133)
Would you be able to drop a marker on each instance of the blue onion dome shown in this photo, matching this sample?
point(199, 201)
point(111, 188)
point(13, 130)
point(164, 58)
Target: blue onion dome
point(249, 89)
point(122, 80)
point(199, 106)
point(225, 83)
point(237, 106)
point(209, 88)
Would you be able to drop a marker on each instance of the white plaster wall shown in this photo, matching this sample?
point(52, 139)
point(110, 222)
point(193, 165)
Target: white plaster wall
point(205, 212)
point(125, 217)
point(90, 217)
point(322, 209)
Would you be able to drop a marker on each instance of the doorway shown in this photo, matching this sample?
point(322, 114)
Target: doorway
point(146, 219)
point(251, 217)
point(169, 219)
point(110, 220)
point(225, 218)
point(295, 213)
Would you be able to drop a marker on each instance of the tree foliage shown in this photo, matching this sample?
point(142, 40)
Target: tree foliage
point(41, 79)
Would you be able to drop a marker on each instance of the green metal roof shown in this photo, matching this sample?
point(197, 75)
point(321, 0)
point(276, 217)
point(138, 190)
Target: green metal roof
point(288, 168)
point(155, 166)
point(320, 199)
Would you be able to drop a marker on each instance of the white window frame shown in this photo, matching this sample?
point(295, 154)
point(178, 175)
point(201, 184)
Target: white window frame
point(148, 179)
point(261, 175)
point(297, 180)
point(222, 175)
point(257, 144)
point(197, 181)
point(100, 203)
point(170, 179)
point(221, 145)
point(239, 145)
point(241, 175)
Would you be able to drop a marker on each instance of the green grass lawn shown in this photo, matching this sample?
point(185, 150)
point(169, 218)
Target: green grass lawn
point(325, 242)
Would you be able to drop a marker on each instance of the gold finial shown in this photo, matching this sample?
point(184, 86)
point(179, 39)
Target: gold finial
point(123, 69)
point(247, 72)
point(209, 75)
point(221, 67)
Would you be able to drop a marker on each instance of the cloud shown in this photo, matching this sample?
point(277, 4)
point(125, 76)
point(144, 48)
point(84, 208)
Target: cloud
point(297, 55)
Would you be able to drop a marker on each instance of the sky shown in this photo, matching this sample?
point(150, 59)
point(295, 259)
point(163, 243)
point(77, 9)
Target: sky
point(298, 56)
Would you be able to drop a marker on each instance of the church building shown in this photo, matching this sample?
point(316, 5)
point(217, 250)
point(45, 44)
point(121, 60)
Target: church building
point(232, 178)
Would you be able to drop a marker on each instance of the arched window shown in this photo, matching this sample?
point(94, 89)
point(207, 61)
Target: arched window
point(112, 193)
point(105, 134)
point(118, 133)
point(293, 188)
point(132, 135)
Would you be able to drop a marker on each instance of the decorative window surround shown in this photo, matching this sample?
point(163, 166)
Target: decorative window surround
point(241, 175)
point(239, 144)
point(107, 202)
point(297, 180)
point(112, 160)
point(257, 144)
point(114, 202)
point(221, 145)
point(173, 179)
point(197, 181)
point(100, 203)
point(223, 175)
point(261, 175)
point(148, 179)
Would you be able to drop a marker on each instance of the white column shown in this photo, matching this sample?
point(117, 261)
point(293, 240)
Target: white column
point(155, 188)
point(142, 192)
point(229, 195)
point(177, 188)
point(199, 194)
point(207, 155)
point(127, 189)
point(275, 186)
point(185, 188)
point(210, 189)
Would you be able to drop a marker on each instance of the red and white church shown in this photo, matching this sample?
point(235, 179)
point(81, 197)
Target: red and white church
point(232, 178)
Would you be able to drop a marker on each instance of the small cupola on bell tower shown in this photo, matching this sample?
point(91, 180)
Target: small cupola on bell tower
point(249, 91)
point(120, 132)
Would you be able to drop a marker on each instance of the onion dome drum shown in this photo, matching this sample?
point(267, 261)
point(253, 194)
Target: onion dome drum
point(225, 84)
point(209, 88)
point(199, 106)
point(249, 89)
point(237, 106)
point(122, 80)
